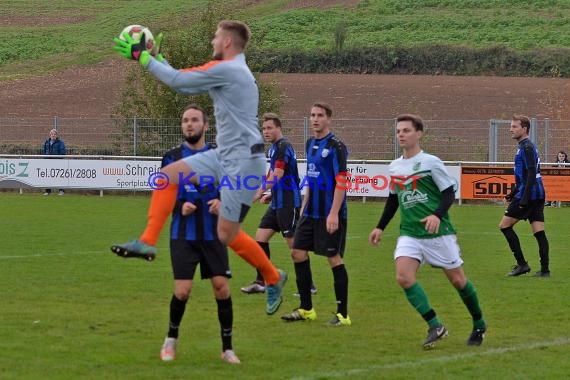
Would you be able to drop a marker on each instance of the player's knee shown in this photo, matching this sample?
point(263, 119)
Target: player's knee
point(405, 280)
point(505, 224)
point(299, 256)
point(221, 289)
point(458, 282)
point(227, 234)
point(223, 236)
point(182, 294)
point(335, 261)
point(182, 289)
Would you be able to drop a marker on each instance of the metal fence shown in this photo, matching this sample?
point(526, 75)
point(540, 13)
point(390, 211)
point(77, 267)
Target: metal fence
point(551, 136)
point(367, 139)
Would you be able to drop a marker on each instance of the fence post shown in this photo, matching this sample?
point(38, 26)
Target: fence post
point(493, 140)
point(363, 197)
point(305, 130)
point(460, 172)
point(533, 128)
point(396, 144)
point(546, 145)
point(134, 136)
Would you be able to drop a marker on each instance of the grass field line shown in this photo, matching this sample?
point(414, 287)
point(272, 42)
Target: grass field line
point(35, 255)
point(561, 341)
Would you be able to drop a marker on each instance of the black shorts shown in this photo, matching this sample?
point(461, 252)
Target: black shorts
point(211, 255)
point(312, 235)
point(282, 220)
point(534, 211)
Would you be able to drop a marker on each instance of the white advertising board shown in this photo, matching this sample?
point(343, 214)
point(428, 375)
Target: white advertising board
point(77, 174)
point(367, 180)
point(372, 180)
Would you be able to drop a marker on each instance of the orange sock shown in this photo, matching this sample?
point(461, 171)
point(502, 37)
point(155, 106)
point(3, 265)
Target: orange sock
point(161, 205)
point(250, 251)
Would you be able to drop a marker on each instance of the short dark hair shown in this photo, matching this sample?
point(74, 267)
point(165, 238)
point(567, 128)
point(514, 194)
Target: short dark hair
point(238, 29)
point(272, 116)
point(525, 121)
point(325, 106)
point(193, 106)
point(417, 121)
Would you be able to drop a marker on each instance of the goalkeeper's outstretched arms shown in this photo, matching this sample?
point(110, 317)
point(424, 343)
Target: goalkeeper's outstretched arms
point(195, 80)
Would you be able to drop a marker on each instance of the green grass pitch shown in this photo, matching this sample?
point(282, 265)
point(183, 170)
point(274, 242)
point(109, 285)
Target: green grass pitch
point(70, 309)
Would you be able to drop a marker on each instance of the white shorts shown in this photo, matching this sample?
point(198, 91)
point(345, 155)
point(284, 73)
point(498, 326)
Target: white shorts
point(237, 180)
point(441, 252)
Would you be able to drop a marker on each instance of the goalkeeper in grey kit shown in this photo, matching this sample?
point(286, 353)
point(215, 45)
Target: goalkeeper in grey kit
point(240, 152)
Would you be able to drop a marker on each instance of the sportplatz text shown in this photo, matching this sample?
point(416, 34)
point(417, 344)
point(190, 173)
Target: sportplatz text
point(342, 181)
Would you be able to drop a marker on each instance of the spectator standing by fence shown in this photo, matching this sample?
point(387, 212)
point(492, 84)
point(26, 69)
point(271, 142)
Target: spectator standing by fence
point(54, 146)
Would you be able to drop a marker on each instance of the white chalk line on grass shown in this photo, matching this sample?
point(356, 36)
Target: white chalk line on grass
point(36, 255)
point(562, 341)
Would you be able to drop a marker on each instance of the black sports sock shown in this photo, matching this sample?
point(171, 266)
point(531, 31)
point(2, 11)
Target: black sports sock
point(226, 319)
point(304, 281)
point(340, 276)
point(514, 244)
point(265, 246)
point(543, 249)
point(177, 308)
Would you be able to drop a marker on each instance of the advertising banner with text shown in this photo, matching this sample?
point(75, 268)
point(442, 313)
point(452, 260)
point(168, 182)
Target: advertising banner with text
point(372, 180)
point(365, 180)
point(77, 174)
point(491, 182)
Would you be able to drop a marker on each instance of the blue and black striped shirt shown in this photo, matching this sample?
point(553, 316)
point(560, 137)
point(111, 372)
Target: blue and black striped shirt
point(286, 194)
point(326, 158)
point(200, 225)
point(528, 181)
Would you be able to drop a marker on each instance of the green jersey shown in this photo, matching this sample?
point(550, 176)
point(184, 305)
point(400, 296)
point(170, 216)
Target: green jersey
point(418, 182)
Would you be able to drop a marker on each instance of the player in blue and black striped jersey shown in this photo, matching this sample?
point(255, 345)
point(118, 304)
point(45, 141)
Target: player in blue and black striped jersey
point(281, 190)
point(322, 227)
point(526, 200)
point(194, 240)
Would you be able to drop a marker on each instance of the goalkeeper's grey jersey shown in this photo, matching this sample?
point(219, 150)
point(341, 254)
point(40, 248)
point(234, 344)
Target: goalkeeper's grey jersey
point(233, 89)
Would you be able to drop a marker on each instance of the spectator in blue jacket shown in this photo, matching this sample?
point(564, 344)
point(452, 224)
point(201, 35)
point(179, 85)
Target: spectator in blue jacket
point(54, 145)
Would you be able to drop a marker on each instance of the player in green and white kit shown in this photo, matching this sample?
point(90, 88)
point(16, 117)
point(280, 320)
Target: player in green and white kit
point(424, 192)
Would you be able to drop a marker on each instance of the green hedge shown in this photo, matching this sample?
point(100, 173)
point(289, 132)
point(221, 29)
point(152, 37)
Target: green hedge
point(427, 60)
point(7, 148)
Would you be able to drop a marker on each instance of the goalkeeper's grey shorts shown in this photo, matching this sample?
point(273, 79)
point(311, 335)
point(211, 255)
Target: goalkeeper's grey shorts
point(236, 179)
